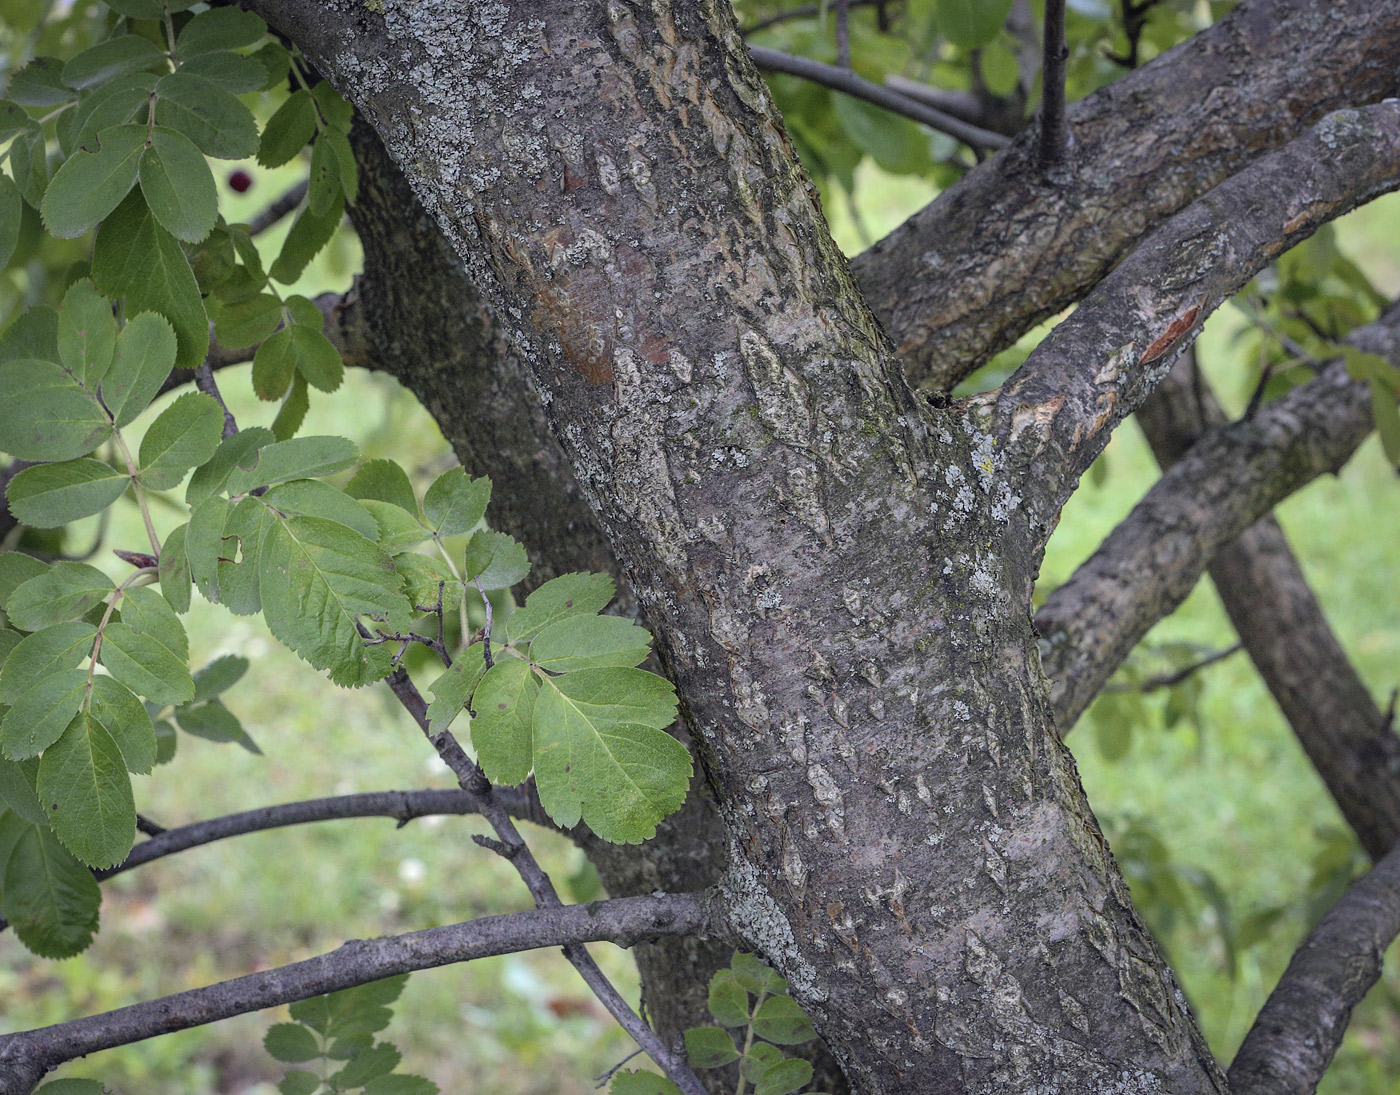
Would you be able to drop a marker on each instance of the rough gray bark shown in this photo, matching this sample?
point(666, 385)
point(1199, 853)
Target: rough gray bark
point(1281, 624)
point(1003, 250)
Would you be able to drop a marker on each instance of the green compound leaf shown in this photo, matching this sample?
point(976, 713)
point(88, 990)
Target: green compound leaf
point(178, 185)
point(756, 975)
point(299, 1082)
point(247, 322)
point(146, 353)
point(367, 1065)
point(337, 112)
point(313, 498)
point(759, 1059)
point(47, 416)
point(293, 350)
point(218, 124)
point(316, 359)
point(13, 119)
point(288, 130)
point(622, 777)
point(91, 184)
point(501, 730)
point(219, 29)
point(454, 688)
point(588, 642)
point(11, 215)
point(495, 560)
point(642, 1083)
point(50, 495)
point(140, 9)
point(29, 163)
point(219, 676)
point(114, 103)
point(43, 654)
point(204, 545)
point(15, 570)
point(117, 56)
point(183, 436)
point(17, 792)
point(71, 1085)
point(293, 410)
point(174, 570)
point(50, 899)
point(42, 713)
point(87, 333)
point(309, 233)
point(383, 481)
point(710, 1047)
point(728, 1000)
point(39, 83)
point(148, 651)
point(558, 599)
point(456, 503)
point(231, 71)
point(135, 257)
point(238, 451)
point(972, 23)
point(779, 1019)
point(291, 1042)
point(214, 722)
point(317, 578)
point(86, 794)
point(299, 458)
point(400, 1083)
point(65, 591)
point(244, 533)
point(783, 1077)
point(397, 530)
point(274, 365)
point(125, 717)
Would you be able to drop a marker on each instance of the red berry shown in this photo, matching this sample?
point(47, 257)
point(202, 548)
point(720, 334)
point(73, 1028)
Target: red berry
point(240, 181)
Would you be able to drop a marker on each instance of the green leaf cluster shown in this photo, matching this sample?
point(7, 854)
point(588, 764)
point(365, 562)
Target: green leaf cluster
point(332, 1038)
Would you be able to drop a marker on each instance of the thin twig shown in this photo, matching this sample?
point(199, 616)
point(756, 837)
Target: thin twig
point(840, 79)
point(602, 1078)
point(1054, 129)
point(485, 631)
point(806, 11)
point(1169, 680)
point(278, 209)
point(147, 826)
point(843, 33)
point(204, 381)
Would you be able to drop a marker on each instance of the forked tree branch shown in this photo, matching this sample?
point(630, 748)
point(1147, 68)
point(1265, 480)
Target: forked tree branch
point(1145, 146)
point(1054, 416)
point(1153, 559)
point(1280, 622)
point(1301, 1025)
point(27, 1055)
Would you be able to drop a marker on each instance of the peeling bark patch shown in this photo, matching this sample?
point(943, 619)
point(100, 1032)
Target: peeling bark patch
point(1159, 346)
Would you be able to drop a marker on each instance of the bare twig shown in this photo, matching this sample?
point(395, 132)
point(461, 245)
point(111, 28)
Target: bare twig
point(278, 209)
point(1302, 1023)
point(1054, 130)
point(204, 381)
point(27, 1055)
point(806, 11)
point(843, 33)
point(1170, 680)
point(147, 826)
point(840, 79)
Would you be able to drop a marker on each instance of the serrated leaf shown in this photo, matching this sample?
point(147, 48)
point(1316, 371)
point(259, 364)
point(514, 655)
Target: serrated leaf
point(248, 322)
point(383, 481)
point(204, 545)
point(274, 365)
point(495, 560)
point(304, 312)
point(87, 333)
point(314, 498)
point(756, 975)
point(92, 183)
point(784, 1077)
point(237, 451)
point(642, 1083)
point(11, 218)
point(86, 794)
point(17, 568)
point(47, 416)
point(291, 1042)
point(183, 436)
point(214, 722)
point(244, 533)
point(33, 335)
point(148, 651)
point(50, 495)
point(710, 1047)
point(377, 1061)
point(728, 1000)
point(779, 1019)
point(174, 570)
point(299, 458)
point(400, 1083)
point(288, 130)
point(49, 898)
point(146, 353)
point(219, 676)
point(231, 71)
point(115, 57)
point(214, 119)
point(292, 413)
point(759, 1059)
point(316, 359)
point(41, 714)
point(587, 642)
point(502, 732)
point(454, 687)
point(135, 257)
point(178, 185)
point(397, 530)
point(65, 591)
point(323, 189)
point(309, 233)
point(559, 598)
point(621, 778)
point(456, 503)
point(42, 654)
point(298, 1082)
point(17, 792)
point(424, 578)
point(13, 119)
point(349, 170)
point(972, 23)
point(219, 29)
point(125, 717)
point(39, 83)
point(317, 578)
point(114, 103)
point(30, 165)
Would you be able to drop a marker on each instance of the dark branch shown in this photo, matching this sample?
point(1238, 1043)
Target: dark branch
point(806, 11)
point(1145, 146)
point(278, 209)
point(1054, 416)
point(1171, 680)
point(1301, 1024)
point(840, 79)
point(26, 1056)
point(1054, 130)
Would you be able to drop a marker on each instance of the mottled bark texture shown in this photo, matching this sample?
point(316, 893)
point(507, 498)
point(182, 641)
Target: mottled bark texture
point(1004, 249)
point(839, 575)
point(1355, 751)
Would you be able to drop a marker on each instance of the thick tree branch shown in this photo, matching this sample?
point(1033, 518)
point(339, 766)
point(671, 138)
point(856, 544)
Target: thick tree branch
point(1280, 622)
point(1000, 251)
point(1231, 478)
point(1054, 416)
point(27, 1055)
point(1301, 1024)
point(844, 80)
